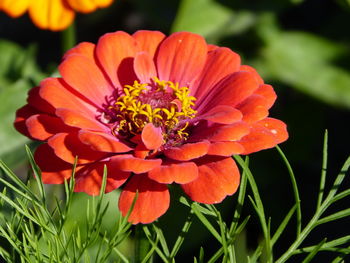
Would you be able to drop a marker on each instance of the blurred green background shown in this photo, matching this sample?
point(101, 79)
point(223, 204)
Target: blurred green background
point(300, 47)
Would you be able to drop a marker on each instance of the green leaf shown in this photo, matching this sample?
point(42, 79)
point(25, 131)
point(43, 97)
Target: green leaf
point(304, 62)
point(210, 19)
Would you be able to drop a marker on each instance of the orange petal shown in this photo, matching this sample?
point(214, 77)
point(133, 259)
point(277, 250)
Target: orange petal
point(102, 142)
point(58, 94)
point(152, 136)
point(14, 8)
point(252, 71)
point(84, 76)
point(22, 115)
point(34, 99)
point(222, 114)
point(144, 67)
point(254, 108)
point(152, 201)
point(188, 151)
point(68, 146)
point(89, 179)
point(84, 48)
point(111, 50)
point(216, 180)
point(42, 126)
point(268, 93)
point(53, 169)
point(219, 132)
point(148, 41)
point(231, 91)
point(181, 173)
point(129, 163)
point(220, 63)
point(79, 120)
point(85, 6)
point(264, 134)
point(181, 58)
point(225, 148)
point(53, 15)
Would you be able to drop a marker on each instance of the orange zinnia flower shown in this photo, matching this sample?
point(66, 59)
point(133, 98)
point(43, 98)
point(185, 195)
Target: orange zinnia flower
point(155, 110)
point(51, 14)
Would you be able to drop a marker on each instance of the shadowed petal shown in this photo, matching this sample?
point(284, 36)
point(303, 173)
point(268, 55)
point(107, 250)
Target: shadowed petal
point(221, 114)
point(89, 179)
point(53, 169)
point(144, 67)
point(268, 93)
point(187, 151)
point(42, 126)
point(84, 76)
point(111, 50)
point(129, 163)
point(231, 91)
point(254, 108)
point(181, 58)
point(181, 173)
point(79, 120)
point(219, 132)
point(220, 63)
point(22, 115)
point(68, 146)
point(152, 136)
point(152, 201)
point(148, 41)
point(216, 179)
point(102, 142)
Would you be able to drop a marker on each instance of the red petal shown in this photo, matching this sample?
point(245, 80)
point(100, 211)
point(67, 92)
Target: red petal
point(84, 76)
point(181, 58)
point(42, 126)
point(79, 120)
point(152, 136)
point(254, 108)
point(225, 148)
point(253, 71)
point(216, 180)
point(230, 91)
point(144, 67)
point(219, 132)
point(221, 114)
point(68, 146)
point(84, 48)
point(53, 169)
point(264, 134)
point(37, 102)
point(181, 173)
point(148, 41)
point(112, 49)
point(60, 95)
point(22, 115)
point(268, 93)
point(102, 142)
point(129, 163)
point(152, 201)
point(220, 63)
point(89, 179)
point(187, 151)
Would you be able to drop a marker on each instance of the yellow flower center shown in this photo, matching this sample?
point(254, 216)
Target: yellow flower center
point(162, 103)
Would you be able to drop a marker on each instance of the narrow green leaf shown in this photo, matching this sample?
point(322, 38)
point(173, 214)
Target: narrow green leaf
point(324, 170)
point(283, 225)
point(314, 251)
point(335, 216)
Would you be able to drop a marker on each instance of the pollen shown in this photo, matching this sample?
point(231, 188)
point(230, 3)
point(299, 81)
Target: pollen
point(163, 103)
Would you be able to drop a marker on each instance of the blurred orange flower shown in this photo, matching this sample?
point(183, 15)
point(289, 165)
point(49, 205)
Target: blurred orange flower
point(155, 110)
point(54, 15)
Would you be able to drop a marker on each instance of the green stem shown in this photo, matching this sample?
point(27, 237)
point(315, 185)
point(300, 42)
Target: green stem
point(68, 38)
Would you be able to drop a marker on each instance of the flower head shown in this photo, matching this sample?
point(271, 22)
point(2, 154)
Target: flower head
point(155, 110)
point(54, 15)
